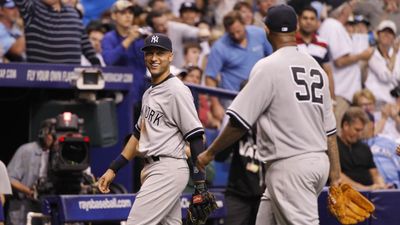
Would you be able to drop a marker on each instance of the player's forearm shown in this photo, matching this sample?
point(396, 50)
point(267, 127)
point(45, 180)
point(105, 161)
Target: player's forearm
point(334, 160)
point(229, 135)
point(328, 70)
point(197, 147)
point(130, 150)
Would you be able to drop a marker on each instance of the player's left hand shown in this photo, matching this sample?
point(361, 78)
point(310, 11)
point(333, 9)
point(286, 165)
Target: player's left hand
point(398, 150)
point(203, 160)
point(105, 181)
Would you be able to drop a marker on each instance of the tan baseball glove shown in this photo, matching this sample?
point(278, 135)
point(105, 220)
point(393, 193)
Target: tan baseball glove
point(348, 205)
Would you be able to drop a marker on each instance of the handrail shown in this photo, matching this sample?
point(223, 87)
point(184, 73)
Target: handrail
point(219, 92)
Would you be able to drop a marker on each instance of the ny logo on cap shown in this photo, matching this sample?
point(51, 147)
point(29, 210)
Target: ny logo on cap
point(154, 39)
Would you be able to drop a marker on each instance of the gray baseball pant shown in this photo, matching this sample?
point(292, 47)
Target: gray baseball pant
point(158, 200)
point(293, 187)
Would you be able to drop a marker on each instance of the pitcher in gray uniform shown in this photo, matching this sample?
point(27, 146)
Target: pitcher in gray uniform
point(288, 98)
point(168, 119)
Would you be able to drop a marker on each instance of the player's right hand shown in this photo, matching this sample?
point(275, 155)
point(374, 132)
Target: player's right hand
point(203, 160)
point(104, 182)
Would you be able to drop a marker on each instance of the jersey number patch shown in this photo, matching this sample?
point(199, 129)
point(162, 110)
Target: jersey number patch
point(309, 92)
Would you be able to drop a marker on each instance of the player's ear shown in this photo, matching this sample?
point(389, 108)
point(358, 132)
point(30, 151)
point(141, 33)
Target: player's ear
point(171, 57)
point(266, 30)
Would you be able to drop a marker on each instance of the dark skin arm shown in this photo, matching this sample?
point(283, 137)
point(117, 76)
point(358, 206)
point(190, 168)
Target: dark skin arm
point(334, 160)
point(229, 135)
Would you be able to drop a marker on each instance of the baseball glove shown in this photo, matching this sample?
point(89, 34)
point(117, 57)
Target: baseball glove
point(348, 205)
point(201, 205)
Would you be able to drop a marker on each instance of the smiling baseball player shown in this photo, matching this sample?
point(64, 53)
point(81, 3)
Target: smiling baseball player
point(168, 119)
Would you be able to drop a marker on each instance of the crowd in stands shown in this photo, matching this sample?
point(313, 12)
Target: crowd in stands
point(216, 44)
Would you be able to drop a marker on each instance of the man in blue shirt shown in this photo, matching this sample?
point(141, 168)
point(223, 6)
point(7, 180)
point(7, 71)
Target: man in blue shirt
point(384, 154)
point(233, 56)
point(121, 47)
point(12, 42)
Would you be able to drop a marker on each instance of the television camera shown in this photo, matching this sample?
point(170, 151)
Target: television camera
point(68, 158)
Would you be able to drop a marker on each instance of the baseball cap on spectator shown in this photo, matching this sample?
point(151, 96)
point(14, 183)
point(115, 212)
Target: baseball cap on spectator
point(157, 40)
point(188, 6)
point(9, 4)
point(387, 24)
point(281, 19)
point(361, 19)
point(121, 5)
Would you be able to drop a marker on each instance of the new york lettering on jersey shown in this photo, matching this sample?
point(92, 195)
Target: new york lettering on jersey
point(152, 116)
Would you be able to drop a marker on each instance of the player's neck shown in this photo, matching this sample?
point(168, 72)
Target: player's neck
point(158, 79)
point(284, 43)
point(280, 40)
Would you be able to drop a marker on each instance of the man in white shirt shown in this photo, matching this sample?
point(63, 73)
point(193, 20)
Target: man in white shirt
point(346, 70)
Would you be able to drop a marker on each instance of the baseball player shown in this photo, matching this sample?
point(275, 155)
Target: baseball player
point(291, 106)
point(168, 119)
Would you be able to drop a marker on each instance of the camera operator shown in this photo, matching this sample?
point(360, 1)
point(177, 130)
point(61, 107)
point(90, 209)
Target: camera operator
point(28, 164)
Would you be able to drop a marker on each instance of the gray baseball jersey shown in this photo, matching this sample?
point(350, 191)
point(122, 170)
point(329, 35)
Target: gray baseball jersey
point(288, 97)
point(168, 118)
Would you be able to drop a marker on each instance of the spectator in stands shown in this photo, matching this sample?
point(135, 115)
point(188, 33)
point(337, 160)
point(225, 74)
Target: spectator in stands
point(309, 42)
point(159, 6)
point(12, 41)
point(366, 100)
point(384, 65)
point(28, 164)
point(384, 154)
point(54, 33)
point(193, 74)
point(233, 56)
point(392, 11)
point(189, 13)
point(370, 9)
point(346, 70)
point(244, 8)
point(179, 33)
point(358, 167)
point(192, 54)
point(121, 47)
point(246, 179)
point(262, 9)
point(95, 31)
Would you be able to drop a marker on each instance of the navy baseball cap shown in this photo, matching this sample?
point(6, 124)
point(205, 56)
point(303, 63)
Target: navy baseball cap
point(188, 6)
point(281, 19)
point(157, 40)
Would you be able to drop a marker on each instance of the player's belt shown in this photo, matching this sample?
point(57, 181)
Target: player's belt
point(151, 159)
point(156, 158)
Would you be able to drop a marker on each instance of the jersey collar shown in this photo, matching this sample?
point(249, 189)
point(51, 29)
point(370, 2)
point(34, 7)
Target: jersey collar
point(167, 78)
